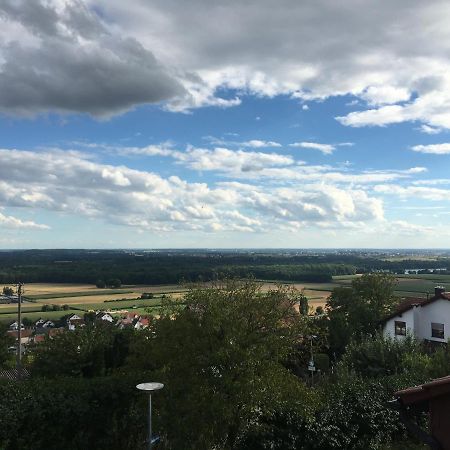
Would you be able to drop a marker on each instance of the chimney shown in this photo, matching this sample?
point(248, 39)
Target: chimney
point(438, 291)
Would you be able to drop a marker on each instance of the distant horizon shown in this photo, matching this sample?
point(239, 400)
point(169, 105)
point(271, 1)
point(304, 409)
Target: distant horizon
point(144, 249)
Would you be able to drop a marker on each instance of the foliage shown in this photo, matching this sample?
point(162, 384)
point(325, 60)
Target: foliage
point(85, 352)
point(8, 291)
point(357, 310)
point(72, 414)
point(100, 284)
point(228, 346)
point(6, 341)
point(377, 356)
point(304, 308)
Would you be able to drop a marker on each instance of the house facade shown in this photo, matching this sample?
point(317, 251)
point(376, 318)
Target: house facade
point(424, 319)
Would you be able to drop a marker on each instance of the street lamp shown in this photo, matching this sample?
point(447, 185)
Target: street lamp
point(150, 388)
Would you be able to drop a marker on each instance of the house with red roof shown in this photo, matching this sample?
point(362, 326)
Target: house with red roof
point(425, 319)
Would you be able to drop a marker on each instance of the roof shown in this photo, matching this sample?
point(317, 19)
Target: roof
point(424, 392)
point(408, 303)
point(23, 333)
point(12, 374)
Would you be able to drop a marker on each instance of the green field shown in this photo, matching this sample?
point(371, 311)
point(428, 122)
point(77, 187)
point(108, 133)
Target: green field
point(122, 304)
point(78, 294)
point(52, 315)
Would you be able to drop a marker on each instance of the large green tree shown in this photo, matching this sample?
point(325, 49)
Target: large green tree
point(357, 310)
point(222, 358)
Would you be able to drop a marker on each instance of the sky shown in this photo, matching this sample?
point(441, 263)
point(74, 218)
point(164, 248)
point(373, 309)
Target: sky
point(224, 124)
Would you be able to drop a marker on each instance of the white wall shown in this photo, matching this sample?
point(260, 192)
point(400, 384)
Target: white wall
point(418, 321)
point(407, 316)
point(439, 312)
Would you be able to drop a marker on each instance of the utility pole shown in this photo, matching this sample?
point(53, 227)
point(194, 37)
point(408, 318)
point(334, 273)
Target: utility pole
point(19, 330)
point(311, 366)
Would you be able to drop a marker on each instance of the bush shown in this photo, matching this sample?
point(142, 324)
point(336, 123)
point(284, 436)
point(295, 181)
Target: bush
point(72, 414)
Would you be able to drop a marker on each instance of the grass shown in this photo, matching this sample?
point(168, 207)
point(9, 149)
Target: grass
point(125, 304)
point(78, 294)
point(52, 315)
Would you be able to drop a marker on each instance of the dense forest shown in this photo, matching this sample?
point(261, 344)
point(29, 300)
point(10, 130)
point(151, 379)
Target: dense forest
point(162, 267)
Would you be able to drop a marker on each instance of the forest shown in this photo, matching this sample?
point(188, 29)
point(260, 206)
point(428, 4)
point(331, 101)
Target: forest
point(168, 267)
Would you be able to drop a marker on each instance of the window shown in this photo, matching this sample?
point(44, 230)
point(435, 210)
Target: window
point(400, 328)
point(437, 330)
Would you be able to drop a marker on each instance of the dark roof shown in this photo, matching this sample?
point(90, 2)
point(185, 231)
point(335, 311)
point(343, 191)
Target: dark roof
point(408, 303)
point(424, 392)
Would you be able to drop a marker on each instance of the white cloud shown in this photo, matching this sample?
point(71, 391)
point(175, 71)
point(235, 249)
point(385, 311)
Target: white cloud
point(326, 149)
point(72, 183)
point(123, 54)
point(385, 95)
point(429, 130)
point(436, 149)
point(409, 192)
point(255, 143)
point(14, 222)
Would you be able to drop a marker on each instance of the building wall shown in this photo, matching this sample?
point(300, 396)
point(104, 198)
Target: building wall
point(418, 321)
point(439, 312)
point(407, 316)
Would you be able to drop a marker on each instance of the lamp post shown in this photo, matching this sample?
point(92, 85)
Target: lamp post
point(150, 388)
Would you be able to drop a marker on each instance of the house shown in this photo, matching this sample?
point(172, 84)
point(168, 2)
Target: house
point(25, 335)
point(48, 324)
point(104, 316)
point(133, 321)
point(15, 326)
point(74, 321)
point(425, 319)
point(39, 323)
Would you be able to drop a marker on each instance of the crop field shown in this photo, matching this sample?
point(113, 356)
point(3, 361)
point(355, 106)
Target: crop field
point(86, 297)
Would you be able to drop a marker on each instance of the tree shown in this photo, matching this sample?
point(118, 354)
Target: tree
point(357, 310)
point(8, 291)
point(6, 341)
point(86, 352)
point(114, 283)
point(229, 345)
point(100, 284)
point(304, 308)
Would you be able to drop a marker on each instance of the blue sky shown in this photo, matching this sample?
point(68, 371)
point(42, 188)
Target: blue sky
point(151, 126)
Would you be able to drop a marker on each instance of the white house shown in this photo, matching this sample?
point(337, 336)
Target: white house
point(101, 315)
point(425, 319)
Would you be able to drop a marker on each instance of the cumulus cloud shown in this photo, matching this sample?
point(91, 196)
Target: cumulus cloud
point(14, 222)
point(436, 149)
point(106, 56)
point(73, 183)
point(63, 58)
point(399, 54)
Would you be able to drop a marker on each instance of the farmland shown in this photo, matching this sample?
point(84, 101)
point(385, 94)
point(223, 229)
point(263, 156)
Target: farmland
point(87, 297)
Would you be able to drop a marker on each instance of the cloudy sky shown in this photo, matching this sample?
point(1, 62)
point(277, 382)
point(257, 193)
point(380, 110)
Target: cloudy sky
point(264, 123)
